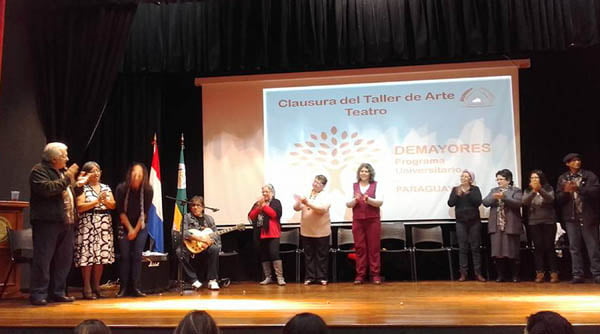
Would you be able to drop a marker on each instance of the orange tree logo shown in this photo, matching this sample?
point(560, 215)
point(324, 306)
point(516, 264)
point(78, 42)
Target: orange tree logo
point(334, 151)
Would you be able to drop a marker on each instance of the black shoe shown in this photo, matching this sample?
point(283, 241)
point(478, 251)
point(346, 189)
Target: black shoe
point(38, 302)
point(597, 279)
point(62, 299)
point(122, 292)
point(516, 279)
point(137, 293)
point(499, 279)
point(577, 280)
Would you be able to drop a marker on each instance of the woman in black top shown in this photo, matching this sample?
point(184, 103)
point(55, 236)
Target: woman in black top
point(466, 199)
point(134, 197)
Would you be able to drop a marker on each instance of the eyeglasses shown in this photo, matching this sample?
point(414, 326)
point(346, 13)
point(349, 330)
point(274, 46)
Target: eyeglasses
point(195, 205)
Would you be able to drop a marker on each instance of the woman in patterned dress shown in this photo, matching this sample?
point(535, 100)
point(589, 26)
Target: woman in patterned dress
point(94, 245)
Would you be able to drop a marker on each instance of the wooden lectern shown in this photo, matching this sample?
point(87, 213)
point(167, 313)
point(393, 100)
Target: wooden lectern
point(11, 216)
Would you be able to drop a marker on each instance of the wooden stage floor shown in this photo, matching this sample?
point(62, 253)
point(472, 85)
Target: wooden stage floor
point(391, 305)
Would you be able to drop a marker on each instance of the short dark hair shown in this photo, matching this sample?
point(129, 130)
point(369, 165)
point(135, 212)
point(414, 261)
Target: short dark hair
point(197, 322)
point(305, 323)
point(322, 179)
point(91, 326)
point(507, 174)
point(197, 198)
point(371, 171)
point(548, 322)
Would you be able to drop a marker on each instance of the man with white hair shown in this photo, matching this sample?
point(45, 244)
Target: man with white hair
point(52, 217)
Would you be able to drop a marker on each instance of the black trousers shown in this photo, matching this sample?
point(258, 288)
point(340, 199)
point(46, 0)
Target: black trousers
point(269, 249)
point(469, 237)
point(52, 258)
point(316, 251)
point(543, 238)
point(193, 264)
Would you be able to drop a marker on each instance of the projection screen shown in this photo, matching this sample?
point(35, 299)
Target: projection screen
point(418, 126)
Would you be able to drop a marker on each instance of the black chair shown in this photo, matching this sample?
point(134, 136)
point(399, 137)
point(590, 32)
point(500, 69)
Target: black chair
point(344, 245)
point(230, 256)
point(289, 243)
point(21, 251)
point(393, 241)
point(429, 240)
point(527, 249)
point(484, 250)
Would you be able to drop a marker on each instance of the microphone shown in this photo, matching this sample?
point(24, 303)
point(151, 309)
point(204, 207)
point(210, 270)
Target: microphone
point(185, 201)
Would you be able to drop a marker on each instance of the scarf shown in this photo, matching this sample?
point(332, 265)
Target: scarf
point(262, 220)
point(68, 200)
point(501, 222)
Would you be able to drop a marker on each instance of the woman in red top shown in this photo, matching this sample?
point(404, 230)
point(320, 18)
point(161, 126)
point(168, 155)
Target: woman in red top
point(366, 224)
point(266, 215)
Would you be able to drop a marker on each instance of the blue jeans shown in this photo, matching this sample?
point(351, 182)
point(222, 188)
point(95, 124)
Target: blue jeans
point(131, 257)
point(584, 236)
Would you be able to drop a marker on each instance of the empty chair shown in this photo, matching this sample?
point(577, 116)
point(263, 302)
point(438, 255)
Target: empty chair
point(21, 251)
point(429, 240)
point(527, 249)
point(344, 245)
point(289, 243)
point(393, 240)
point(485, 266)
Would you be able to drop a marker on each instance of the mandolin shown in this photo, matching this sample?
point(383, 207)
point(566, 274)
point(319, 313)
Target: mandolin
point(196, 246)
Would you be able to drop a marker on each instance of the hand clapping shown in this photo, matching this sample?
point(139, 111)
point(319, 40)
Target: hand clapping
point(82, 179)
point(535, 186)
point(72, 171)
point(571, 187)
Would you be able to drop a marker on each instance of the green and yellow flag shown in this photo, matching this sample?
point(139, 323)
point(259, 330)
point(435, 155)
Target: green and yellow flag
point(180, 207)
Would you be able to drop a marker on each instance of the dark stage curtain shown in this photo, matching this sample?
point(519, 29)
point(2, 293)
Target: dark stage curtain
point(140, 105)
point(77, 47)
point(231, 36)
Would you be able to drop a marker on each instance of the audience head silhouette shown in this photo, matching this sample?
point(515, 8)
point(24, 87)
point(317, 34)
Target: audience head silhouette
point(548, 322)
point(305, 323)
point(92, 326)
point(197, 322)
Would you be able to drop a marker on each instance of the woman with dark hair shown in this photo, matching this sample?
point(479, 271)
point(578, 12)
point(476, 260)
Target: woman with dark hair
point(134, 197)
point(197, 322)
point(504, 224)
point(266, 217)
point(548, 322)
point(466, 198)
point(94, 246)
point(538, 200)
point(366, 224)
point(305, 323)
point(92, 326)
